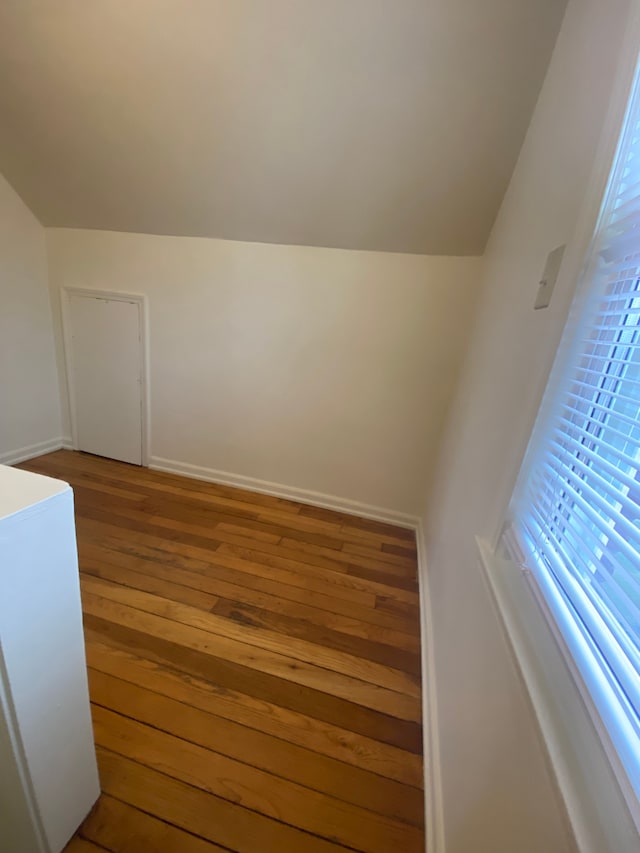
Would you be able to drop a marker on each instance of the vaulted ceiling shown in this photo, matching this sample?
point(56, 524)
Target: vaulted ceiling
point(368, 124)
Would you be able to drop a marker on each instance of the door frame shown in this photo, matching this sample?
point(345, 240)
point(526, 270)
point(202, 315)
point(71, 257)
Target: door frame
point(141, 301)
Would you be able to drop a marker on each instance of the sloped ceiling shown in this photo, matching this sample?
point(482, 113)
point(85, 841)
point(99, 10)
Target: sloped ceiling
point(368, 124)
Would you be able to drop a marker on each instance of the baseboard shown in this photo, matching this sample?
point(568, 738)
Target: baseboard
point(211, 475)
point(434, 815)
point(30, 451)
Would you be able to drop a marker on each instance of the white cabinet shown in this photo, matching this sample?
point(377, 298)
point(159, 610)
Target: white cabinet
point(48, 776)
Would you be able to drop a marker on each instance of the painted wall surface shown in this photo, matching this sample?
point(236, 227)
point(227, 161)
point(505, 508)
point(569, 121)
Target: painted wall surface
point(363, 125)
point(29, 402)
point(498, 794)
point(321, 369)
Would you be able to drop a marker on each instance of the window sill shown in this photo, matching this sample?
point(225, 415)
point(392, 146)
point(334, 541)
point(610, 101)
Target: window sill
point(597, 805)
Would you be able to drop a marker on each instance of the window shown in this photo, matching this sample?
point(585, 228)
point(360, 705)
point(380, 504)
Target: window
point(576, 507)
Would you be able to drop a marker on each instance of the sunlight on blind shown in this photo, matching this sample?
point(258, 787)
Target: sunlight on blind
point(577, 505)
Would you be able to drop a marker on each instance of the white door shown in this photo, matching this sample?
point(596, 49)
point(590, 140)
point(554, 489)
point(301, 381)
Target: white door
point(105, 375)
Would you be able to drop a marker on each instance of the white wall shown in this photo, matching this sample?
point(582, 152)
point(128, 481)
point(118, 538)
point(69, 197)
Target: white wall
point(322, 369)
point(498, 793)
point(29, 403)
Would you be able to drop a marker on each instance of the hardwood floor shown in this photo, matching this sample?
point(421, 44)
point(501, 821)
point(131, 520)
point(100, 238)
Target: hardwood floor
point(254, 668)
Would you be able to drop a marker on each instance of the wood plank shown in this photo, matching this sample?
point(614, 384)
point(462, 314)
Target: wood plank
point(205, 538)
point(254, 668)
point(196, 811)
point(199, 507)
point(297, 573)
point(171, 484)
point(122, 828)
point(139, 523)
point(404, 537)
point(404, 734)
point(247, 590)
point(256, 749)
point(88, 495)
point(202, 519)
point(401, 608)
point(379, 528)
point(81, 845)
point(254, 789)
point(95, 484)
point(380, 576)
point(351, 556)
point(234, 636)
point(154, 495)
point(280, 530)
point(312, 555)
point(302, 523)
point(400, 550)
point(382, 556)
point(354, 522)
point(292, 627)
point(284, 667)
point(149, 583)
point(334, 527)
point(202, 560)
point(346, 747)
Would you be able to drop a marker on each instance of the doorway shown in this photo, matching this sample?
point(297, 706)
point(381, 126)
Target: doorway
point(105, 350)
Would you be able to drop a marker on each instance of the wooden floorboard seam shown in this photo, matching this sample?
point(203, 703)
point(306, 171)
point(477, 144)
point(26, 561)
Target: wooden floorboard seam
point(254, 668)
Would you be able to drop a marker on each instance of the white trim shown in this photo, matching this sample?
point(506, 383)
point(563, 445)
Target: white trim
point(30, 451)
point(596, 806)
point(433, 806)
point(278, 490)
point(143, 326)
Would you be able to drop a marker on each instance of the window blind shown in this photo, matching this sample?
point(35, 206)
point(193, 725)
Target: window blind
point(576, 508)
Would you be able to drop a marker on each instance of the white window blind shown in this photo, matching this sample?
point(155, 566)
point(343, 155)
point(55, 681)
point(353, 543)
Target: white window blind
point(576, 508)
